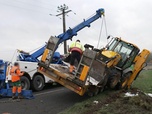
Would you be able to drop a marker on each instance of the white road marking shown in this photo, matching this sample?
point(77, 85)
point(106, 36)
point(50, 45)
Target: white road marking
point(38, 94)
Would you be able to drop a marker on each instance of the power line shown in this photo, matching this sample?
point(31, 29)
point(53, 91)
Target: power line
point(21, 2)
point(47, 3)
point(31, 10)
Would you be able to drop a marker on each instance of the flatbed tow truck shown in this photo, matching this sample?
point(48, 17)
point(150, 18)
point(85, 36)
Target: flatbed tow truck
point(115, 66)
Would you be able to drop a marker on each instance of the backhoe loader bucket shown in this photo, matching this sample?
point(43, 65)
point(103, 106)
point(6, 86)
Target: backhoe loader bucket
point(96, 72)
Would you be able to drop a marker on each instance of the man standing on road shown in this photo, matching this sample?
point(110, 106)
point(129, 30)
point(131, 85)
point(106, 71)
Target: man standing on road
point(76, 49)
point(16, 74)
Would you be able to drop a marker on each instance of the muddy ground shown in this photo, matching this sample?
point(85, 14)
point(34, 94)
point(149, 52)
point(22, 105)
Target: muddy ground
point(114, 102)
point(118, 103)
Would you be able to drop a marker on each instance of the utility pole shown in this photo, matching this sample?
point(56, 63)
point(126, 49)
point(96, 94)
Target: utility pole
point(64, 10)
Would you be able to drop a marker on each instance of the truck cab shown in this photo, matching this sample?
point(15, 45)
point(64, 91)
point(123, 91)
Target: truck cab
point(126, 50)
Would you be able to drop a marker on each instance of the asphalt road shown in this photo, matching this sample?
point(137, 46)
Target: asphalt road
point(49, 101)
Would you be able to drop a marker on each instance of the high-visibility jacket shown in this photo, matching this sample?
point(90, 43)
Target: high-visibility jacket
point(76, 46)
point(15, 73)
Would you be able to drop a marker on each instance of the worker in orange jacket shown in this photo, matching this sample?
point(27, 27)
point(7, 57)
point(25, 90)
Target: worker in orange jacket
point(16, 74)
point(76, 49)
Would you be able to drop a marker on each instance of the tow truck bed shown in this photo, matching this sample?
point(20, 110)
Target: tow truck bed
point(62, 69)
point(61, 75)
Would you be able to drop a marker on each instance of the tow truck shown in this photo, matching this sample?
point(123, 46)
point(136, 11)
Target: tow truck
point(28, 61)
point(115, 66)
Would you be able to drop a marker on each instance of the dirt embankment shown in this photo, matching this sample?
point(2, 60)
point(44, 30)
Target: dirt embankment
point(118, 103)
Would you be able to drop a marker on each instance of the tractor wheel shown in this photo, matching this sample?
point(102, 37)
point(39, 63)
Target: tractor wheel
point(113, 81)
point(125, 79)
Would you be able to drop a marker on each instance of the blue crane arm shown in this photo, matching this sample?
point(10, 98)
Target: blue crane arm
point(38, 53)
point(63, 37)
point(86, 23)
point(24, 56)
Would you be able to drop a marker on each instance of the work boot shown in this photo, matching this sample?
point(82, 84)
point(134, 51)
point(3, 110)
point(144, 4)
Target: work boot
point(20, 96)
point(13, 96)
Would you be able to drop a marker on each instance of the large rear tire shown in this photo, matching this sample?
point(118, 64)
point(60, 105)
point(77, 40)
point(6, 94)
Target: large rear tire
point(25, 82)
point(38, 83)
point(114, 76)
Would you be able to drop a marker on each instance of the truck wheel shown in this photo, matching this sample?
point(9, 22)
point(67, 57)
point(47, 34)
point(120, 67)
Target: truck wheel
point(25, 83)
point(38, 83)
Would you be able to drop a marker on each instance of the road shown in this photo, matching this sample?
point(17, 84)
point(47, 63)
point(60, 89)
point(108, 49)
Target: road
point(49, 101)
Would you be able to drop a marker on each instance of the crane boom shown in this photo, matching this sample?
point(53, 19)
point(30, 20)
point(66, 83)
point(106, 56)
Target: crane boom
point(38, 53)
point(63, 37)
point(86, 23)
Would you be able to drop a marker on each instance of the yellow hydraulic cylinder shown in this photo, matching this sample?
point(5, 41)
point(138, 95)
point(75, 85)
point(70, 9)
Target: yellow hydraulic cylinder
point(84, 73)
point(44, 56)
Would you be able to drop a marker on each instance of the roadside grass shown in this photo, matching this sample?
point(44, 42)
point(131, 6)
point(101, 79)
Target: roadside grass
point(82, 107)
point(114, 102)
point(144, 81)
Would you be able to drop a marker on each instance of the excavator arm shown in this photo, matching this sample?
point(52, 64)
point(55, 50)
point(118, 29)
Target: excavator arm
point(139, 62)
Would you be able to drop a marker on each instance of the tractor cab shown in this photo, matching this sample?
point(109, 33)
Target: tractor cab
point(126, 50)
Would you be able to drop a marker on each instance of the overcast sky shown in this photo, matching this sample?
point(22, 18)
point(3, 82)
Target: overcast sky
point(27, 25)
